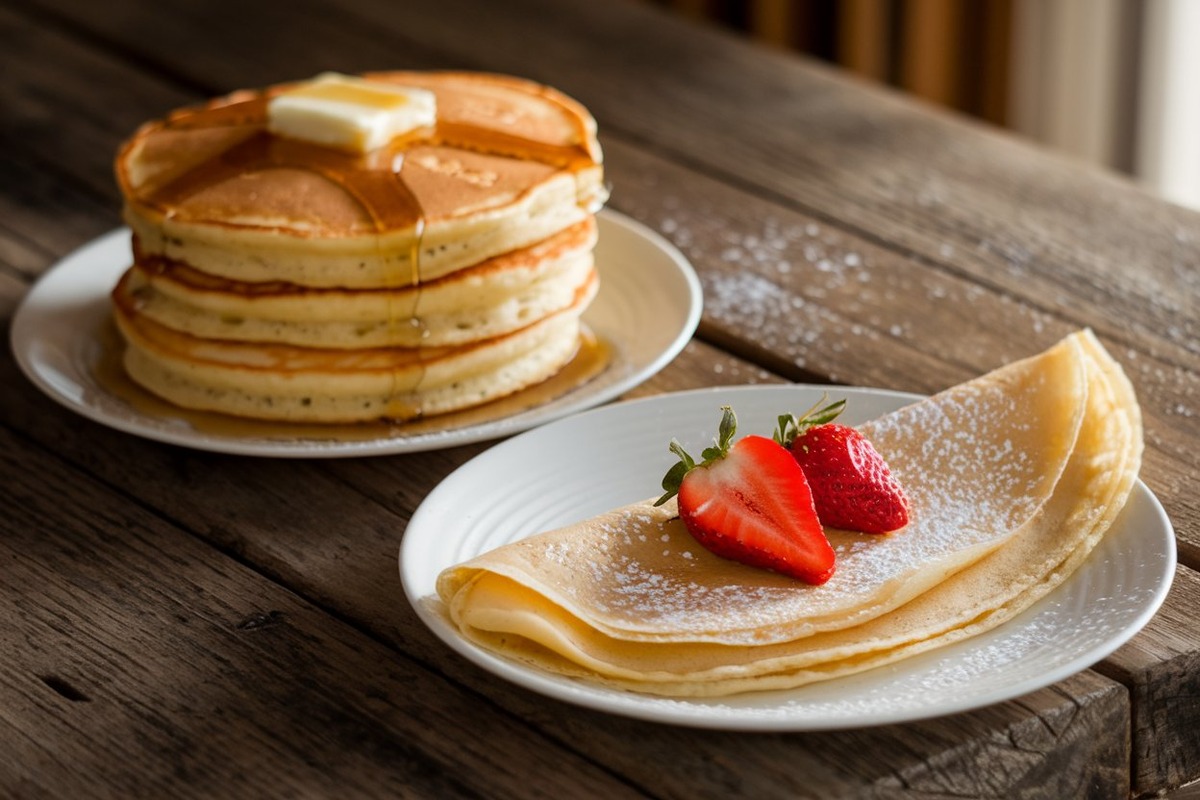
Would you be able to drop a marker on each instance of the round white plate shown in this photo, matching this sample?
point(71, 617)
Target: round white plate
point(647, 309)
point(580, 466)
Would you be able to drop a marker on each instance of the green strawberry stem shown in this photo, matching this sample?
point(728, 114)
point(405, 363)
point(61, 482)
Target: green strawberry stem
point(718, 450)
point(790, 426)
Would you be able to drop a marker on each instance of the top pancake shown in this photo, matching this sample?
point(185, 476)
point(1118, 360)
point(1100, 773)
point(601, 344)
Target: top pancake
point(508, 163)
point(1013, 478)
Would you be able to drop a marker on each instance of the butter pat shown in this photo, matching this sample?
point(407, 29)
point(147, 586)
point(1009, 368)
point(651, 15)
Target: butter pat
point(349, 113)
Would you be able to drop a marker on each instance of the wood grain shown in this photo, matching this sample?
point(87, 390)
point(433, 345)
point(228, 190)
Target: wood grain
point(864, 40)
point(932, 37)
point(1026, 248)
point(836, 288)
point(1163, 673)
point(818, 303)
point(273, 516)
point(840, 234)
point(159, 666)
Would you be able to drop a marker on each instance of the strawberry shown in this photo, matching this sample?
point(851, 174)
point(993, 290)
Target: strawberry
point(749, 502)
point(852, 487)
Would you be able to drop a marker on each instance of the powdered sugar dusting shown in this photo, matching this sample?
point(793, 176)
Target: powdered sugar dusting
point(977, 462)
point(643, 566)
point(791, 282)
point(783, 275)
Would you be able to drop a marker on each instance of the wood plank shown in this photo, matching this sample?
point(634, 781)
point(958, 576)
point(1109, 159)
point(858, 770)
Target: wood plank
point(12, 289)
point(1189, 792)
point(758, 297)
point(276, 515)
point(62, 123)
point(140, 662)
point(1014, 217)
point(826, 319)
point(1162, 669)
point(803, 330)
point(821, 321)
point(1058, 234)
point(1146, 314)
point(696, 9)
point(43, 215)
point(989, 207)
point(939, 307)
point(826, 305)
point(382, 487)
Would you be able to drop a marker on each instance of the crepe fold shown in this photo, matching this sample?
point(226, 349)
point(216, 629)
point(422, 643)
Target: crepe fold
point(1012, 477)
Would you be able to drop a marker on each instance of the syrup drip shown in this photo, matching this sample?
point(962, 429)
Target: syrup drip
point(375, 180)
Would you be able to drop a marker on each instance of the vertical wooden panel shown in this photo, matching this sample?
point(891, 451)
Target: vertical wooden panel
point(956, 53)
point(930, 66)
point(774, 21)
point(864, 37)
point(992, 88)
point(697, 9)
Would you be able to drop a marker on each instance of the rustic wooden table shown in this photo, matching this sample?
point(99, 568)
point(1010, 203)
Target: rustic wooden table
point(179, 623)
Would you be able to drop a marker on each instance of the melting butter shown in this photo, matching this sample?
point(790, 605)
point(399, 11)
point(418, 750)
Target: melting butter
point(350, 113)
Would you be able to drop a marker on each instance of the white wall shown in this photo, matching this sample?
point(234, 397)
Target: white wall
point(1115, 82)
point(1168, 130)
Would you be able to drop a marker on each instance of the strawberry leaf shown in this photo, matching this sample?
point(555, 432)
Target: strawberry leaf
point(726, 429)
point(684, 458)
point(673, 480)
point(711, 454)
point(789, 426)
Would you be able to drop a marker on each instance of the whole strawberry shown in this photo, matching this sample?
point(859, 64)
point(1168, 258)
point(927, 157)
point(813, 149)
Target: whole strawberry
point(852, 487)
point(749, 502)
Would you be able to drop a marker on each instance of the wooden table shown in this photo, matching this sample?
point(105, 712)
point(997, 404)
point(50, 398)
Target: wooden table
point(179, 623)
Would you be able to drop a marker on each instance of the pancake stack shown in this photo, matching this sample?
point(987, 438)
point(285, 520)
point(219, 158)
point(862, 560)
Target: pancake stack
point(1013, 478)
point(280, 278)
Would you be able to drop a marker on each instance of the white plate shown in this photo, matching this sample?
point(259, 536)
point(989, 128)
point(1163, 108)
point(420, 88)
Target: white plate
point(646, 311)
point(592, 462)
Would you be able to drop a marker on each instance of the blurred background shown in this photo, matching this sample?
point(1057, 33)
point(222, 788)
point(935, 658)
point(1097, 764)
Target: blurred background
point(1113, 82)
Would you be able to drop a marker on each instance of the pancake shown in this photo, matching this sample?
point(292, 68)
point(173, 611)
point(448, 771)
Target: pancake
point(419, 243)
point(508, 163)
point(298, 384)
point(499, 296)
point(1006, 503)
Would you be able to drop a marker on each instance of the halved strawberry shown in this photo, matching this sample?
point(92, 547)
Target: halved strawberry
point(852, 487)
point(749, 502)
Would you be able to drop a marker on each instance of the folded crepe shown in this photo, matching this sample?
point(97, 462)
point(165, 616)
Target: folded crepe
point(1012, 479)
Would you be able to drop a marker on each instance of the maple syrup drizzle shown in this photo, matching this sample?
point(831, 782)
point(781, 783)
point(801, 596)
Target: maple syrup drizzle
point(410, 315)
point(375, 180)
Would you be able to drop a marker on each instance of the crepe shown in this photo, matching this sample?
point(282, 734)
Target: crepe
point(1012, 478)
